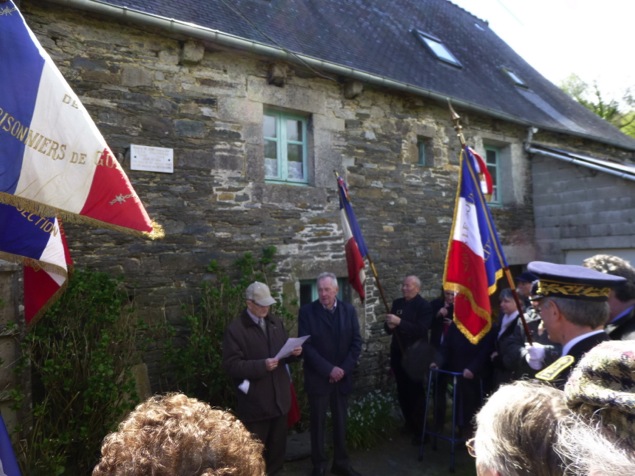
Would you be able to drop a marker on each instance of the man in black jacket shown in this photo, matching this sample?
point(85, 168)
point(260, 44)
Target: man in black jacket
point(330, 355)
point(409, 320)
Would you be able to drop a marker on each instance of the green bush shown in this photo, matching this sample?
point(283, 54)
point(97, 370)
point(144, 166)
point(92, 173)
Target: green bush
point(193, 364)
point(371, 419)
point(80, 355)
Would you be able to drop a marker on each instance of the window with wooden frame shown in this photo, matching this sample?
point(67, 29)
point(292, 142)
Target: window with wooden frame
point(492, 160)
point(286, 144)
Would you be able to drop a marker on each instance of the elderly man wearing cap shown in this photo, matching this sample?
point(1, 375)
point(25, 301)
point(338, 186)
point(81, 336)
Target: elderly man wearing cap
point(262, 381)
point(572, 302)
point(621, 323)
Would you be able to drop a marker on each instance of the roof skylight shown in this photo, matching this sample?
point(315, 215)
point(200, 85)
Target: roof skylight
point(515, 78)
point(437, 47)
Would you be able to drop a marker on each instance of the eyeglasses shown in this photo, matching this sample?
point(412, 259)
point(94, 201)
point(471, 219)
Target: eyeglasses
point(538, 308)
point(469, 444)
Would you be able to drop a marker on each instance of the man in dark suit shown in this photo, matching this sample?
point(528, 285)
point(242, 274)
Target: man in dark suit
point(621, 323)
point(330, 355)
point(408, 321)
point(572, 301)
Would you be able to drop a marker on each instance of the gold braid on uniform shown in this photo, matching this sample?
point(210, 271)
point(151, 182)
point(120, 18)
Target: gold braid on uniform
point(548, 288)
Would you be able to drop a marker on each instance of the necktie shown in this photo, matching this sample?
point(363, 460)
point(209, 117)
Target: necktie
point(263, 325)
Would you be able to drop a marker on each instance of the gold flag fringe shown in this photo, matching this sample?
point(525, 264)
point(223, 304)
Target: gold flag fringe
point(46, 210)
point(33, 263)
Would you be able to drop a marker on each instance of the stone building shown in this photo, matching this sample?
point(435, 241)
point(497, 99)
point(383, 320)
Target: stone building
point(262, 100)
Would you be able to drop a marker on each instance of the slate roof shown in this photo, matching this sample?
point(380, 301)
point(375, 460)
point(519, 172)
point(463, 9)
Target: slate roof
point(375, 37)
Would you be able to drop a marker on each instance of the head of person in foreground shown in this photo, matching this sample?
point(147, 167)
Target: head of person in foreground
point(589, 451)
point(517, 429)
point(174, 435)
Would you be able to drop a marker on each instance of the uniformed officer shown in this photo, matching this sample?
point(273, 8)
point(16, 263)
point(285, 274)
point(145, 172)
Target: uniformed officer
point(572, 302)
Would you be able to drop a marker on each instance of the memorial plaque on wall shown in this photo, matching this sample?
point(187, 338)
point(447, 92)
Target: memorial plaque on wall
point(151, 159)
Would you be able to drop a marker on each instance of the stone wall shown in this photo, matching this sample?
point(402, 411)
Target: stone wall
point(11, 330)
point(206, 103)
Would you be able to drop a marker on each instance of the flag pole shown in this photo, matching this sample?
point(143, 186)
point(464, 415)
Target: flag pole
point(456, 119)
point(381, 290)
point(372, 267)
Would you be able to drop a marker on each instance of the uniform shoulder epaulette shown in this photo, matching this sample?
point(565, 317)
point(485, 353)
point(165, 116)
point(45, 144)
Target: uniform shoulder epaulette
point(549, 374)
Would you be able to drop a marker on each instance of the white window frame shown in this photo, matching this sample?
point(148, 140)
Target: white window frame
point(492, 160)
point(282, 142)
point(438, 48)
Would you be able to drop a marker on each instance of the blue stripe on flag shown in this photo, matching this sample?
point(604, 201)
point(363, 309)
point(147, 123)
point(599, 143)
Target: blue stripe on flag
point(20, 71)
point(352, 220)
point(27, 235)
point(7, 456)
point(494, 257)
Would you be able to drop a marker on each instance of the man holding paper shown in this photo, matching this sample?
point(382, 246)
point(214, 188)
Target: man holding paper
point(251, 345)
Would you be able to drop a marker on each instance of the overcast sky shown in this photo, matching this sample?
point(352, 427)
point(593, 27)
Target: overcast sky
point(591, 38)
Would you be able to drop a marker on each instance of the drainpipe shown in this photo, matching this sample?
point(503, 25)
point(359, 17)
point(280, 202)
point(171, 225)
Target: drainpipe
point(582, 163)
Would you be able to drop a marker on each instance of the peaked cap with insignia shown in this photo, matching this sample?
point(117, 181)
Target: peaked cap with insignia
point(572, 281)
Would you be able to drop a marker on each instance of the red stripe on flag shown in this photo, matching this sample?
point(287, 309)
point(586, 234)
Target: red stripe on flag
point(112, 199)
point(466, 271)
point(39, 288)
point(355, 264)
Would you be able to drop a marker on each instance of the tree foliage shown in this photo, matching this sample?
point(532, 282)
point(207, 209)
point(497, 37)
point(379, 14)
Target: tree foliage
point(619, 113)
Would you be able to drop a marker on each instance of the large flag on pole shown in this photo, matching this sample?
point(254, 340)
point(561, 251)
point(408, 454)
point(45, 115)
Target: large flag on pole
point(475, 259)
point(38, 242)
point(53, 159)
point(355, 247)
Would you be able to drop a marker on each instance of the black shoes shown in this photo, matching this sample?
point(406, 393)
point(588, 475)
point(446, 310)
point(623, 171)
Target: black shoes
point(344, 471)
point(317, 471)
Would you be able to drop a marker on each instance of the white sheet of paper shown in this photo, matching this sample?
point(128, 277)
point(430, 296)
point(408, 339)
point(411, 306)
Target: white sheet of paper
point(244, 386)
point(289, 345)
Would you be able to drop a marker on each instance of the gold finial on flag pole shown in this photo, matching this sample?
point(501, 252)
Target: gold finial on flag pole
point(456, 119)
point(457, 123)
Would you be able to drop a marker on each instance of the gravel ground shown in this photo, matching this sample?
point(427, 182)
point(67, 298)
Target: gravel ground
point(395, 456)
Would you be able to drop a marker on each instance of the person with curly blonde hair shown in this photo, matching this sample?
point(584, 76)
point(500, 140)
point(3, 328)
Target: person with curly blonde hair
point(174, 435)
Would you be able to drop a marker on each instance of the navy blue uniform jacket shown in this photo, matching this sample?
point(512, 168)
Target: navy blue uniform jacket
point(334, 342)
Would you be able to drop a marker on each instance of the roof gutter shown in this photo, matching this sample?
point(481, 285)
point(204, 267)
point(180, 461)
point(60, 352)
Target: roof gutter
point(581, 163)
point(207, 34)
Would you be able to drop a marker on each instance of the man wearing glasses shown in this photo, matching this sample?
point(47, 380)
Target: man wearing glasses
point(573, 304)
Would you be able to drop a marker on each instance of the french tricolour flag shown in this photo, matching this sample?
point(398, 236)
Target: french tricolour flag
point(39, 243)
point(354, 245)
point(475, 258)
point(53, 159)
